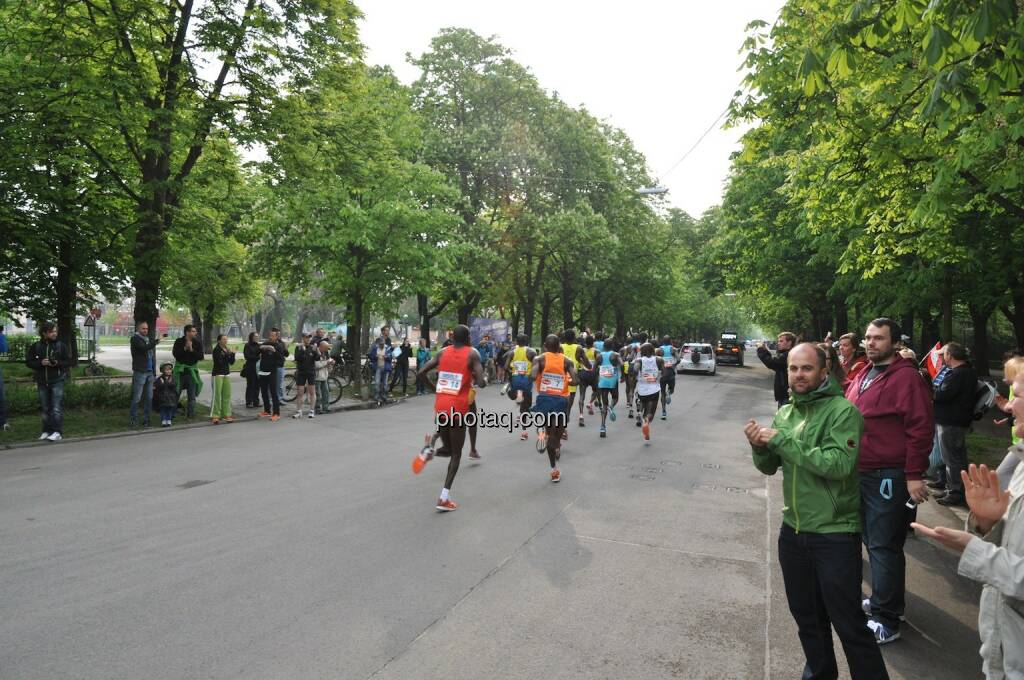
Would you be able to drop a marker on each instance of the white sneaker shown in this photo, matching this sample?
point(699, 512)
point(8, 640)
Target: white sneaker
point(312, 415)
point(298, 414)
point(45, 435)
point(55, 437)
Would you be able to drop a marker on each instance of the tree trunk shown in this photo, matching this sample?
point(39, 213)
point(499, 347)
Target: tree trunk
point(355, 334)
point(842, 313)
point(300, 322)
point(208, 330)
point(620, 324)
point(947, 306)
point(929, 332)
point(67, 293)
point(568, 298)
point(907, 323)
point(545, 317)
point(1015, 314)
point(980, 349)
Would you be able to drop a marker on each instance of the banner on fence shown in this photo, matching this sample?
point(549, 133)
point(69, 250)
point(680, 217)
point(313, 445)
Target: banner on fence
point(498, 329)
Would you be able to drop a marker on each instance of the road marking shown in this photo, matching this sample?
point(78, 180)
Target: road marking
point(689, 553)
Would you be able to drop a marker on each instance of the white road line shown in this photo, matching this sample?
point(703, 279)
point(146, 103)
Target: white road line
point(767, 580)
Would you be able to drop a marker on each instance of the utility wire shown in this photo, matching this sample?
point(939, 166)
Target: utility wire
point(695, 144)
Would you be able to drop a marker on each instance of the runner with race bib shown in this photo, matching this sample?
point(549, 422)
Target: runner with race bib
point(670, 356)
point(608, 363)
point(648, 369)
point(520, 386)
point(553, 374)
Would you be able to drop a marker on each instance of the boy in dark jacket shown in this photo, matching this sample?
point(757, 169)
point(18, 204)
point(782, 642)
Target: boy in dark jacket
point(777, 364)
point(50, 359)
point(165, 394)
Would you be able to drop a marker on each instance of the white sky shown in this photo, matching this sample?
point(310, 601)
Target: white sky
point(661, 70)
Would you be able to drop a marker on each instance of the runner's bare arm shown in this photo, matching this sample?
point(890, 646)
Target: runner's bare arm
point(570, 368)
point(422, 372)
point(581, 358)
point(538, 366)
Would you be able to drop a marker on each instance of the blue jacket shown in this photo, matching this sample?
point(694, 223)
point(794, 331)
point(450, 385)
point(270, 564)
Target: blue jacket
point(388, 354)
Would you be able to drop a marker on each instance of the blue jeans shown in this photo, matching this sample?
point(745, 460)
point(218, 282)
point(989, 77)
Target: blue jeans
point(142, 388)
point(883, 512)
point(279, 382)
point(167, 413)
point(822, 573)
point(381, 381)
point(935, 465)
point(51, 405)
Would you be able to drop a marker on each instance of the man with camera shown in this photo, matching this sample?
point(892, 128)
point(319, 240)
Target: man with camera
point(50, 359)
point(778, 364)
point(188, 351)
point(143, 373)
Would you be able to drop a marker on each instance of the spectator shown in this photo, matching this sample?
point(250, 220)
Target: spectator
point(786, 340)
point(815, 442)
point(50, 360)
point(380, 358)
point(143, 372)
point(401, 362)
point(323, 371)
point(306, 356)
point(166, 394)
point(833, 363)
point(448, 339)
point(251, 354)
point(1012, 367)
point(953, 396)
point(338, 347)
point(319, 335)
point(188, 352)
point(279, 371)
point(852, 355)
point(423, 355)
point(220, 404)
point(4, 349)
point(898, 429)
point(385, 335)
point(487, 353)
point(272, 355)
point(993, 554)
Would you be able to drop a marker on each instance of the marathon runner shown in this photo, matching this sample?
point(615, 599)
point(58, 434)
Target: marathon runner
point(648, 370)
point(457, 366)
point(598, 347)
point(553, 374)
point(517, 365)
point(578, 357)
point(629, 353)
point(670, 356)
point(608, 364)
point(588, 377)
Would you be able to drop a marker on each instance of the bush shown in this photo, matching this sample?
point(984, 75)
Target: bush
point(78, 395)
point(17, 346)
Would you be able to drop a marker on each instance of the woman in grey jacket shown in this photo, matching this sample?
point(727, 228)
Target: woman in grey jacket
point(993, 554)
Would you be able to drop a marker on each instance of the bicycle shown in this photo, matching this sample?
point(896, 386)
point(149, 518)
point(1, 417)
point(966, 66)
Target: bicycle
point(334, 387)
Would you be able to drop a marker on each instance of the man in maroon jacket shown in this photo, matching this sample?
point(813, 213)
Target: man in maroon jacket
point(894, 449)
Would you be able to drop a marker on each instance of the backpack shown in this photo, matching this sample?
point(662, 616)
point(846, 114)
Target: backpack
point(984, 397)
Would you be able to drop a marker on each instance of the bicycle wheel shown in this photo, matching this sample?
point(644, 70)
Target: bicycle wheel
point(335, 388)
point(290, 392)
point(342, 374)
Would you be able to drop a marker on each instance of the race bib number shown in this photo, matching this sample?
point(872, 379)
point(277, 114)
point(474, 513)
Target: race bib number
point(552, 383)
point(649, 376)
point(520, 367)
point(607, 371)
point(449, 383)
point(670, 361)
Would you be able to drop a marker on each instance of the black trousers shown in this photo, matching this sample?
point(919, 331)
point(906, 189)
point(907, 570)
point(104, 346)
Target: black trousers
point(268, 388)
point(252, 389)
point(822, 573)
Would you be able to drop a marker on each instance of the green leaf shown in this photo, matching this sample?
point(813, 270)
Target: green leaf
point(907, 15)
point(841, 63)
point(936, 42)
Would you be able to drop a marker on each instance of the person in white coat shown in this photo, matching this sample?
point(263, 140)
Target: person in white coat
point(993, 554)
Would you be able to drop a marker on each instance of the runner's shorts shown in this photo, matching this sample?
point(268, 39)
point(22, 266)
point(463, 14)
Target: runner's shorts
point(549, 404)
point(588, 378)
point(519, 383)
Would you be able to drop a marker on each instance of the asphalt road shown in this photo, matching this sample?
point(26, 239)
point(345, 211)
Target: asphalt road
point(308, 549)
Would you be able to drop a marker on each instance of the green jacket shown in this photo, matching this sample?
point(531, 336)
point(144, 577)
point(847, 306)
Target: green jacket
point(817, 446)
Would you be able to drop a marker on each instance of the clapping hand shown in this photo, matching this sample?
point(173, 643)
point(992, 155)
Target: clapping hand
point(987, 502)
point(757, 435)
point(951, 538)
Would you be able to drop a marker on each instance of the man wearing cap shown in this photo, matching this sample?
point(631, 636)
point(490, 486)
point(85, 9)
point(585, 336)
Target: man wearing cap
point(815, 439)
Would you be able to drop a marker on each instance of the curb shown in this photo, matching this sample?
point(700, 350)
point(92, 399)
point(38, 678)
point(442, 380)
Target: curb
point(361, 406)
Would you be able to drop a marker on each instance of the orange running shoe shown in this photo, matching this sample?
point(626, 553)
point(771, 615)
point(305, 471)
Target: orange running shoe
point(446, 506)
point(264, 415)
point(524, 436)
point(423, 457)
point(556, 476)
point(646, 429)
point(274, 418)
point(216, 421)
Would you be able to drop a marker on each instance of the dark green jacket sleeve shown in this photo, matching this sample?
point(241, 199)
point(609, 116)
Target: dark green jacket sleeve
point(835, 456)
point(765, 460)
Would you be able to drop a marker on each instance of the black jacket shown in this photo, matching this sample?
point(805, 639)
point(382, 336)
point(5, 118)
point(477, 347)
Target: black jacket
point(165, 392)
point(777, 364)
point(222, 360)
point(954, 396)
point(142, 348)
point(58, 354)
point(251, 353)
point(184, 356)
point(306, 358)
point(273, 354)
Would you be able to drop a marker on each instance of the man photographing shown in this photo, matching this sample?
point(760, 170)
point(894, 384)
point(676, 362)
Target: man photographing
point(815, 440)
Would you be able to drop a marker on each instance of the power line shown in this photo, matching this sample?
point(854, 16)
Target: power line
point(695, 144)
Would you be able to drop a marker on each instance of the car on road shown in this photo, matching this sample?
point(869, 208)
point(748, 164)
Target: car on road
point(730, 348)
point(697, 356)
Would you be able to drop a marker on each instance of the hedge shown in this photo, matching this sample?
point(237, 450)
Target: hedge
point(85, 394)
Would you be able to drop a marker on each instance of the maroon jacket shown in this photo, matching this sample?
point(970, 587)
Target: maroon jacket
point(898, 421)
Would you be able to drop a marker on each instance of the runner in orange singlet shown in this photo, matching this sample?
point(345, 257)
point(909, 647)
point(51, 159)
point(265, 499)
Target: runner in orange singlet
point(553, 373)
point(458, 365)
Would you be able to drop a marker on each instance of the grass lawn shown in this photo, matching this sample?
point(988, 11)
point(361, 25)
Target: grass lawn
point(19, 371)
point(984, 448)
point(76, 424)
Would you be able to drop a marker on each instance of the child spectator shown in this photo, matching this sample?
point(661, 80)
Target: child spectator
point(165, 393)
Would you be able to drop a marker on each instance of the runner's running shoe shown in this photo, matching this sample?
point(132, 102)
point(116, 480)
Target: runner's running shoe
point(542, 441)
point(524, 436)
point(646, 429)
point(604, 433)
point(446, 506)
point(611, 414)
point(423, 457)
point(556, 476)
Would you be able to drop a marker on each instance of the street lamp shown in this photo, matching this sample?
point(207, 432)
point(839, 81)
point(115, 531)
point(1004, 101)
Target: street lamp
point(652, 191)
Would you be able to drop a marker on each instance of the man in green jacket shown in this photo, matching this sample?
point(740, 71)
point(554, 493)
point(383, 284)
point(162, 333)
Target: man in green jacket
point(815, 440)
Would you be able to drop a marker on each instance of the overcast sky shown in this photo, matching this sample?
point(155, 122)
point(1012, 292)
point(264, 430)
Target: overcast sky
point(661, 70)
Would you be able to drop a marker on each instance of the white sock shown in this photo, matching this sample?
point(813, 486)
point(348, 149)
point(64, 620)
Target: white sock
point(444, 494)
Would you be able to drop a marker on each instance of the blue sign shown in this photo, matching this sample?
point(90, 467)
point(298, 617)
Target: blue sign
point(499, 329)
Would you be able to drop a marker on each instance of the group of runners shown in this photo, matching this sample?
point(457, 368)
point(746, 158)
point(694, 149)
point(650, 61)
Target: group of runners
point(546, 385)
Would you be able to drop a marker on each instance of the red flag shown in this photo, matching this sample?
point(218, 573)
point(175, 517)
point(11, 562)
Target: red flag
point(933, 360)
